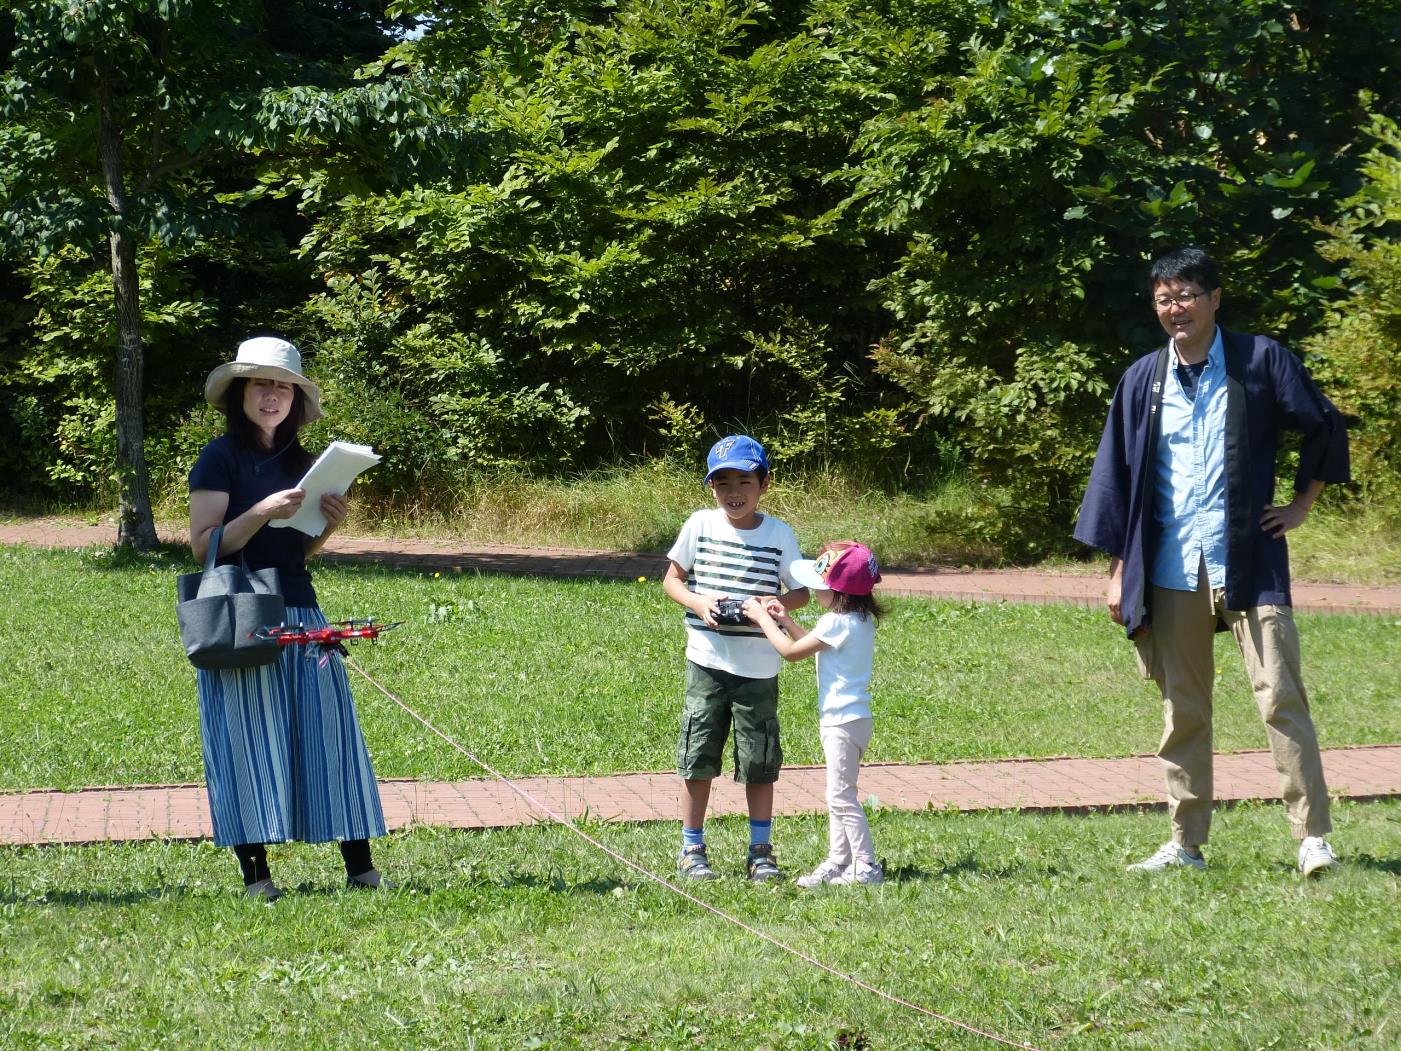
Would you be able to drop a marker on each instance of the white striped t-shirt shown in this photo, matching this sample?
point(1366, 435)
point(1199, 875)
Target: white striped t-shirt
point(722, 560)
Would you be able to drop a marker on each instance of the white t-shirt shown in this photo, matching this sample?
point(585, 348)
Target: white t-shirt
point(844, 671)
point(722, 560)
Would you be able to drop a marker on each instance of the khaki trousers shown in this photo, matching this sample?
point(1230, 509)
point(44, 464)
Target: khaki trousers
point(1177, 654)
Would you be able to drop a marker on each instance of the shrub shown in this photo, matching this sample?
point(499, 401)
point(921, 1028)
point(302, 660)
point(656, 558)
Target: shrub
point(1359, 350)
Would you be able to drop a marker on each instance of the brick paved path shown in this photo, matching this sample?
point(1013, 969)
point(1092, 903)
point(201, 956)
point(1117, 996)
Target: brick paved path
point(181, 811)
point(1001, 585)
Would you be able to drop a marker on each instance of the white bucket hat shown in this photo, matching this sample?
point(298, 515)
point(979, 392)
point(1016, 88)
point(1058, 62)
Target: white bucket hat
point(270, 357)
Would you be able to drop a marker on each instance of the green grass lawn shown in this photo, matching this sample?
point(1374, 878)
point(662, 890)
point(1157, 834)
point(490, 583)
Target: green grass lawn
point(529, 938)
point(1024, 924)
point(584, 677)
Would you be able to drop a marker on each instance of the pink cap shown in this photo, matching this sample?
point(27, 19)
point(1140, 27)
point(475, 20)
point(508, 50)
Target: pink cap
point(844, 566)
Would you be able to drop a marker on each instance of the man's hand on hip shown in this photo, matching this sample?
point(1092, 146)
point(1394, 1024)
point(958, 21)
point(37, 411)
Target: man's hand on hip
point(1279, 520)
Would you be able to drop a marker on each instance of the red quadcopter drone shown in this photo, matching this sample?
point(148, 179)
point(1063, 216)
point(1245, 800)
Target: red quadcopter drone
point(327, 637)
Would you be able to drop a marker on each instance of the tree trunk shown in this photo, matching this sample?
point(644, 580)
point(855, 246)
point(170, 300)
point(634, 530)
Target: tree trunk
point(136, 525)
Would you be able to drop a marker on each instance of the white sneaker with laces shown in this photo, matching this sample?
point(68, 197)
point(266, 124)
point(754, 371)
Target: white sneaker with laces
point(827, 872)
point(1315, 855)
point(861, 873)
point(1169, 855)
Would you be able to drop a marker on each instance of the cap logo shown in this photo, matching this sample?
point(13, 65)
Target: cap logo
point(824, 563)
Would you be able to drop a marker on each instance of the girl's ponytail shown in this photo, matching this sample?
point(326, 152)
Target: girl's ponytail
point(860, 605)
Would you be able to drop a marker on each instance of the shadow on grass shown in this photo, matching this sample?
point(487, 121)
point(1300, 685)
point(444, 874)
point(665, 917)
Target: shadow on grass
point(968, 865)
point(552, 884)
point(168, 557)
point(558, 885)
point(370, 555)
point(86, 899)
point(1391, 866)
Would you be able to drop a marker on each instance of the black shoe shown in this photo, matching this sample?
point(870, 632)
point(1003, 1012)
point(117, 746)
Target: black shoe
point(262, 890)
point(370, 880)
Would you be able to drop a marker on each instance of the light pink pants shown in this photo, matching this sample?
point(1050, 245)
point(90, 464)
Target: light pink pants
point(848, 831)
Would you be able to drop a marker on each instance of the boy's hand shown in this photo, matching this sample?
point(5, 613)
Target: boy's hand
point(705, 609)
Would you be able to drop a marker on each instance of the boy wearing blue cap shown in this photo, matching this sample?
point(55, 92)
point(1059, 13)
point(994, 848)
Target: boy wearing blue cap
point(730, 551)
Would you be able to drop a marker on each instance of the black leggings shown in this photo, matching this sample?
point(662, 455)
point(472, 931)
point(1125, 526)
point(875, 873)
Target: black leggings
point(253, 859)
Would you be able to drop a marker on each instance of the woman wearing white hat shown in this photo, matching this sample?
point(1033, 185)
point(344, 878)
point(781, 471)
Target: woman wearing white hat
point(284, 758)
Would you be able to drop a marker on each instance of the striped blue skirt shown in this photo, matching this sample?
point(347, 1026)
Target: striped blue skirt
point(283, 754)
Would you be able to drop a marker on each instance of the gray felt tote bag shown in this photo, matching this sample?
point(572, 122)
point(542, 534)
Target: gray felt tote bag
point(222, 608)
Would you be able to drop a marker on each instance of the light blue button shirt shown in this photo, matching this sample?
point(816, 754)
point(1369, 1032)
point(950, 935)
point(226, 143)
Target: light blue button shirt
point(1190, 494)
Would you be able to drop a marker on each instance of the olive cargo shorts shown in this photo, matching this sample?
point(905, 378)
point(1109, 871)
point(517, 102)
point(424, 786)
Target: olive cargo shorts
point(715, 699)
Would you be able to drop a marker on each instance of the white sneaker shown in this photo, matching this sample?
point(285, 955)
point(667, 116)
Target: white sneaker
point(1315, 855)
point(861, 872)
point(828, 872)
point(1169, 855)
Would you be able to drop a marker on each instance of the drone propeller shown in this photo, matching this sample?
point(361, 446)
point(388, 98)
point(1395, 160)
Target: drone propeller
point(329, 636)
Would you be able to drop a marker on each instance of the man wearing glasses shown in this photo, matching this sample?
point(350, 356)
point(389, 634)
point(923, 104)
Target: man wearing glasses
point(1182, 498)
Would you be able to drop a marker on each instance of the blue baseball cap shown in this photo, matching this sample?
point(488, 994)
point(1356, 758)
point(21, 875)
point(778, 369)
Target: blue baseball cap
point(737, 452)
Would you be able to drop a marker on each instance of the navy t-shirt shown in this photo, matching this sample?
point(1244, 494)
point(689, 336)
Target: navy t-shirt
point(247, 475)
point(1191, 375)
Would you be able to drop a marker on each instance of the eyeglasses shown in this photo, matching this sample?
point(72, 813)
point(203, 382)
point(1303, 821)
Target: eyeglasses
point(1182, 299)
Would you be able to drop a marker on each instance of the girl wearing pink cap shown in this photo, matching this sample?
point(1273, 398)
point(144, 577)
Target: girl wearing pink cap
point(844, 638)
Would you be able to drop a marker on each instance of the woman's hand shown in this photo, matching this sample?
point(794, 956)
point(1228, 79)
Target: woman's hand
point(335, 507)
point(282, 504)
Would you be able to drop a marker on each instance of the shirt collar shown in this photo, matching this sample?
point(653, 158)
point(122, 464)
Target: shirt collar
point(1215, 355)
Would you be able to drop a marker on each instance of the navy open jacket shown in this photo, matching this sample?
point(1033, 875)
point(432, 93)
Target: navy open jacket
point(1268, 390)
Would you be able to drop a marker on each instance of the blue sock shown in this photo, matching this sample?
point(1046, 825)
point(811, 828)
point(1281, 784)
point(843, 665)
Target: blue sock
point(692, 837)
point(759, 831)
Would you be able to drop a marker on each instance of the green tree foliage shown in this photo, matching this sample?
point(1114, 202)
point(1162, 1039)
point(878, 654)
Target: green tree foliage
point(1359, 351)
point(654, 236)
point(133, 123)
point(559, 233)
point(849, 227)
point(67, 426)
point(1073, 142)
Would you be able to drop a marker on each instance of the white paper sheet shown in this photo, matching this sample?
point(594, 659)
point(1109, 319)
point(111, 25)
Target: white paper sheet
point(332, 472)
